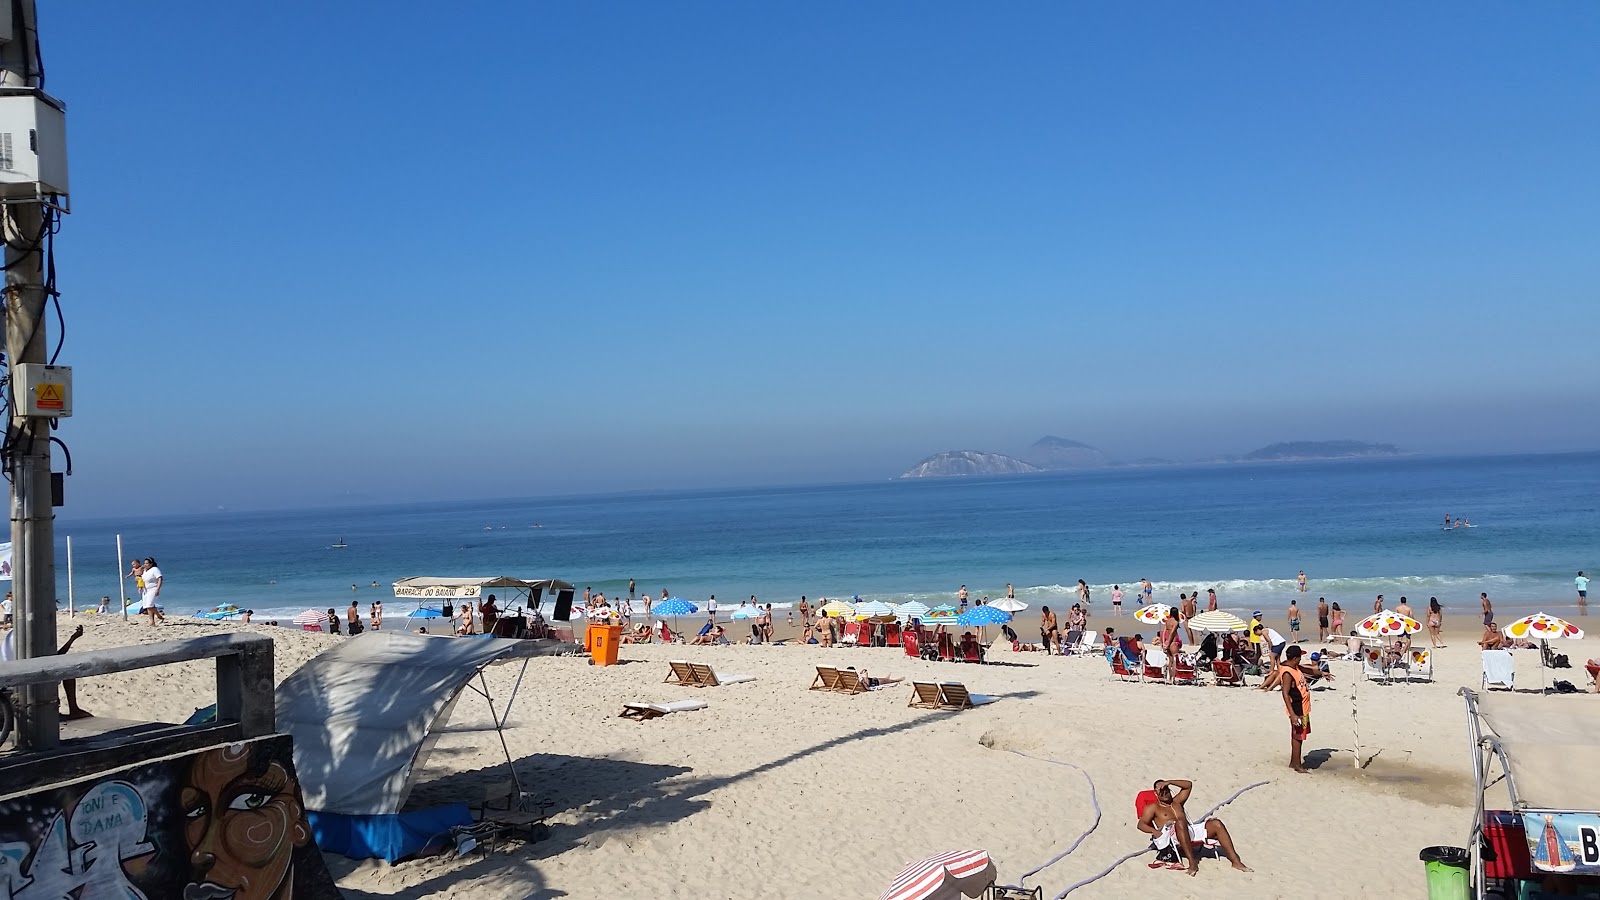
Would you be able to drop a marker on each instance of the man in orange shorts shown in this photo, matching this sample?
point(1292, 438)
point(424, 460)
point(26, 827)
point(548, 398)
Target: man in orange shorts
point(1297, 703)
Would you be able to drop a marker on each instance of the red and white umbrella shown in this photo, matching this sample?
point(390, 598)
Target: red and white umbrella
point(1154, 614)
point(1387, 624)
point(311, 617)
point(945, 876)
point(1542, 627)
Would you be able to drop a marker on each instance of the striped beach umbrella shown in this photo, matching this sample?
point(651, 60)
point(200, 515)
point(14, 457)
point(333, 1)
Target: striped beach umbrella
point(1218, 621)
point(1154, 614)
point(1387, 623)
point(943, 608)
point(912, 610)
point(838, 608)
point(310, 617)
point(873, 608)
point(1542, 627)
point(945, 876)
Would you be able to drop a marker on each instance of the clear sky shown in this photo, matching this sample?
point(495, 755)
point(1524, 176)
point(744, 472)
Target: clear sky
point(366, 252)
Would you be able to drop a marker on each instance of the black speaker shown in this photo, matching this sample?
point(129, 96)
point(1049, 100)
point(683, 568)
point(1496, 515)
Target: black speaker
point(563, 611)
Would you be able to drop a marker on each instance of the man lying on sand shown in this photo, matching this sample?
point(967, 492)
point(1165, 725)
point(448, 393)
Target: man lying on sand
point(1168, 824)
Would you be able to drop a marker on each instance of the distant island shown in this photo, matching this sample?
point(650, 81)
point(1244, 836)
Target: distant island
point(1303, 450)
point(1054, 454)
point(968, 462)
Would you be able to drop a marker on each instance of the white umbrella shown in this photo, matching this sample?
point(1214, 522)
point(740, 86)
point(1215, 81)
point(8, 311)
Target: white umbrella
point(874, 608)
point(747, 612)
point(1009, 604)
point(1217, 621)
point(912, 610)
point(1154, 614)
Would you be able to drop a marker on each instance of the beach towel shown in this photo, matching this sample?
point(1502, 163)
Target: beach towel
point(1499, 667)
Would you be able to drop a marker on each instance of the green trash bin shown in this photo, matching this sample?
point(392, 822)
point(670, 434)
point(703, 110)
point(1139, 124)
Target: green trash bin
point(1447, 869)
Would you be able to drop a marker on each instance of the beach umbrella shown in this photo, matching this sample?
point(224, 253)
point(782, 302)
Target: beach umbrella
point(1540, 626)
point(838, 609)
point(943, 608)
point(421, 613)
point(912, 610)
point(873, 608)
point(674, 606)
point(747, 612)
point(1009, 604)
point(1154, 614)
point(945, 876)
point(311, 617)
point(1387, 623)
point(980, 616)
point(1218, 621)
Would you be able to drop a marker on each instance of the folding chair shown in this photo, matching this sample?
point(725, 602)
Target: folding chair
point(827, 679)
point(705, 676)
point(925, 695)
point(956, 696)
point(681, 672)
point(850, 682)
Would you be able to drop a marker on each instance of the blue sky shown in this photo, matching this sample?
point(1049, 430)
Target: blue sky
point(391, 251)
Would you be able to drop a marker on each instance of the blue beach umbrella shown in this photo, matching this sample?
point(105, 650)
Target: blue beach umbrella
point(425, 613)
point(675, 607)
point(980, 616)
point(747, 612)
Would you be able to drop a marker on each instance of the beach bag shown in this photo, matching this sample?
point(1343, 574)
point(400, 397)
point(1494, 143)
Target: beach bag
point(1566, 687)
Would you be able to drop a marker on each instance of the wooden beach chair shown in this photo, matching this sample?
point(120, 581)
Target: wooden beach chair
point(640, 712)
point(956, 696)
point(850, 682)
point(681, 672)
point(925, 695)
point(705, 676)
point(827, 679)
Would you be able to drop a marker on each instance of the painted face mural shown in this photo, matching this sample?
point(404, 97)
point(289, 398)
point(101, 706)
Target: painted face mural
point(242, 823)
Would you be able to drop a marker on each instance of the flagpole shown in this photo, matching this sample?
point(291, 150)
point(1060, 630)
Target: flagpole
point(122, 583)
point(72, 607)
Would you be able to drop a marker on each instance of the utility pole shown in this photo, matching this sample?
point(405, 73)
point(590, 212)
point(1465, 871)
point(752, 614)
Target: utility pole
point(28, 439)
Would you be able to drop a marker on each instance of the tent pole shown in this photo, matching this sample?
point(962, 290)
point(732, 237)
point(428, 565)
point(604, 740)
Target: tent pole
point(515, 781)
point(514, 688)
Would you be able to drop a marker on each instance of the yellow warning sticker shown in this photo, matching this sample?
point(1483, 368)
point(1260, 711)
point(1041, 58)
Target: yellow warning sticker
point(47, 396)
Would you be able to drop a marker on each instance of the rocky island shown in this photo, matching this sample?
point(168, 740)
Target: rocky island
point(1293, 451)
point(968, 462)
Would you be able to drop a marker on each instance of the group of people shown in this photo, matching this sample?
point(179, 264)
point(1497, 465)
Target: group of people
point(147, 582)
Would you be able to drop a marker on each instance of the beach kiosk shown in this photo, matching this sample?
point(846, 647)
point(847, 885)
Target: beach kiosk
point(519, 599)
point(1536, 822)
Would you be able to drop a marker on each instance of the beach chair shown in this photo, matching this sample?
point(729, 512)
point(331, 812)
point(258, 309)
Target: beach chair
point(910, 644)
point(852, 634)
point(640, 712)
point(1499, 669)
point(1154, 665)
point(850, 682)
point(1421, 667)
point(1119, 668)
point(1227, 673)
point(925, 695)
point(505, 813)
point(1372, 666)
point(827, 679)
point(947, 648)
point(668, 636)
point(956, 696)
point(679, 672)
point(971, 650)
point(705, 676)
point(1183, 672)
point(1090, 645)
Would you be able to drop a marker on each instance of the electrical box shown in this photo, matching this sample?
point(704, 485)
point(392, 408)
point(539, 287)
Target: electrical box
point(41, 390)
point(33, 145)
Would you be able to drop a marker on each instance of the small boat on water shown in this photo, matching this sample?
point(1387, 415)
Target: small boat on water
point(339, 546)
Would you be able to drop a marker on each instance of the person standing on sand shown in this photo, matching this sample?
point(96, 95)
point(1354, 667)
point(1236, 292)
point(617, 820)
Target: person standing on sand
point(1294, 621)
point(1211, 599)
point(1116, 599)
point(333, 621)
point(352, 619)
point(1435, 620)
point(1582, 583)
point(1377, 605)
point(151, 577)
point(711, 607)
point(1336, 619)
point(1168, 824)
point(1322, 618)
point(1187, 610)
point(1047, 627)
point(805, 612)
point(375, 615)
point(1403, 608)
point(1488, 609)
point(1302, 581)
point(1297, 703)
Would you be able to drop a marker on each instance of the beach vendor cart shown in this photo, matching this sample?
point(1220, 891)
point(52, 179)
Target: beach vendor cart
point(518, 606)
point(1536, 820)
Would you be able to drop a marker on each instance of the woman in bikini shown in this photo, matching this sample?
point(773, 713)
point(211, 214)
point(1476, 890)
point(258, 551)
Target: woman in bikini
point(1336, 619)
point(1435, 621)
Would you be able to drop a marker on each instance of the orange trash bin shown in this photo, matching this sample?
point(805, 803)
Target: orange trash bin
point(604, 643)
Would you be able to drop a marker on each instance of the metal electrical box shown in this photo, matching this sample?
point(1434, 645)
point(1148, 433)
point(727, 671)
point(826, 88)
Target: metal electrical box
point(41, 390)
point(33, 144)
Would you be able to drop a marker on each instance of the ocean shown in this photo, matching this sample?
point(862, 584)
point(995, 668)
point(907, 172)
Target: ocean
point(1357, 528)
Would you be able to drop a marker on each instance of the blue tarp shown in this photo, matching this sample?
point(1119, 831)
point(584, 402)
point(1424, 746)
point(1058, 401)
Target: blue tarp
point(390, 837)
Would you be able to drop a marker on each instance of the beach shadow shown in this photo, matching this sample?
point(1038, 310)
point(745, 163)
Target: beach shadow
point(507, 871)
point(1317, 758)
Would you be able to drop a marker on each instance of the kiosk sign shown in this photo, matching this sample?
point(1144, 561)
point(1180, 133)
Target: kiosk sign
point(1563, 842)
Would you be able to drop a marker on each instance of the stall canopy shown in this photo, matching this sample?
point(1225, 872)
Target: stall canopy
point(364, 716)
point(1546, 747)
point(427, 587)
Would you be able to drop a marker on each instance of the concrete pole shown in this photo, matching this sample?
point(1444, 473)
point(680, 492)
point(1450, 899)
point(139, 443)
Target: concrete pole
point(122, 580)
point(72, 602)
point(32, 518)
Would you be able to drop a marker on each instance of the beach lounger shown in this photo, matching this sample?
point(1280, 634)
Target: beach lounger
point(947, 648)
point(705, 676)
point(1499, 669)
point(1372, 666)
point(852, 634)
point(1183, 673)
point(925, 695)
point(1089, 645)
point(1227, 673)
point(971, 650)
point(1421, 667)
point(910, 643)
point(827, 679)
point(956, 696)
point(1154, 665)
point(1119, 668)
point(680, 672)
point(850, 682)
point(643, 711)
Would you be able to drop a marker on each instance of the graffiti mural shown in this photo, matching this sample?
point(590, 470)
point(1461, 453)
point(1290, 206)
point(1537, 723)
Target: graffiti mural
point(221, 824)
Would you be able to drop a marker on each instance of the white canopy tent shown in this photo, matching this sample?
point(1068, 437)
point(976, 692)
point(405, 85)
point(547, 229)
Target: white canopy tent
point(428, 587)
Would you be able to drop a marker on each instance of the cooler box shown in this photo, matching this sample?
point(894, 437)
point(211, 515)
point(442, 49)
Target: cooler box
point(603, 642)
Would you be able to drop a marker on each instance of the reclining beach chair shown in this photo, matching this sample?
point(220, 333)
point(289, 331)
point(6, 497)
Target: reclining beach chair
point(1421, 667)
point(1119, 668)
point(1154, 665)
point(1372, 666)
point(852, 634)
point(892, 635)
point(956, 696)
point(1183, 672)
point(705, 676)
point(1226, 672)
point(679, 672)
point(971, 650)
point(1499, 669)
point(827, 679)
point(640, 712)
point(1090, 645)
point(850, 682)
point(1143, 801)
point(669, 636)
point(925, 695)
point(947, 648)
point(910, 644)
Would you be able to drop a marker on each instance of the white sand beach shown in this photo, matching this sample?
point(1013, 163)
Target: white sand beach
point(777, 791)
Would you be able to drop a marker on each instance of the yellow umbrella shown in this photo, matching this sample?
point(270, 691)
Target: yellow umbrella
point(838, 608)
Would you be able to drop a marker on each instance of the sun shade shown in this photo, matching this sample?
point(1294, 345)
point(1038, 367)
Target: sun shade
point(1551, 747)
